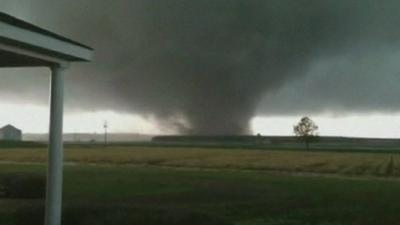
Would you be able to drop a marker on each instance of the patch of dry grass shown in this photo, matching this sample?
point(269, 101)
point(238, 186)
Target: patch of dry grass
point(379, 164)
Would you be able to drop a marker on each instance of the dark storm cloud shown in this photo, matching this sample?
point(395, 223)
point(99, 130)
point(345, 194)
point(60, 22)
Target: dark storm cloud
point(207, 67)
point(351, 83)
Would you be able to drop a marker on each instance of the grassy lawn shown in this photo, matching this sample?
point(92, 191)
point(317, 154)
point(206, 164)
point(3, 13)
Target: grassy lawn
point(236, 197)
point(156, 186)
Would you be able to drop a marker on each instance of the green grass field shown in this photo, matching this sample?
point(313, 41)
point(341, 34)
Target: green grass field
point(149, 186)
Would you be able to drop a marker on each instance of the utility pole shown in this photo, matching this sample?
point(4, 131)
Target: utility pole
point(105, 132)
point(74, 136)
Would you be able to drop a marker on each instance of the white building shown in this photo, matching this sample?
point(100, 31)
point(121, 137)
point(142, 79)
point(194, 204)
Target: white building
point(10, 133)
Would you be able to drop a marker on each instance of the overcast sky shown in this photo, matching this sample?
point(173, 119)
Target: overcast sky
point(219, 67)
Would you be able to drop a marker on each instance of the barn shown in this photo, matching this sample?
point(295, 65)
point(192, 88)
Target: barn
point(10, 133)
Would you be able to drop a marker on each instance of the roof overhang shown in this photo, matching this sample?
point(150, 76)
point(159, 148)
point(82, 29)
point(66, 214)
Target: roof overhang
point(23, 44)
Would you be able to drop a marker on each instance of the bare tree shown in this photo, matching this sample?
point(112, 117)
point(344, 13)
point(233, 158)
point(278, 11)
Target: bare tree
point(306, 129)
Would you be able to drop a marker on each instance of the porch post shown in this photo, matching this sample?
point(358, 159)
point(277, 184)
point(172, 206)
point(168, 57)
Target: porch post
point(55, 149)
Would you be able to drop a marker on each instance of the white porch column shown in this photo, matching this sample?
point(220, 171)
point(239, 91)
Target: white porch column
point(55, 151)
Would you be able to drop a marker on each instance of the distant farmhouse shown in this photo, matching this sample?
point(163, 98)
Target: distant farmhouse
point(10, 133)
